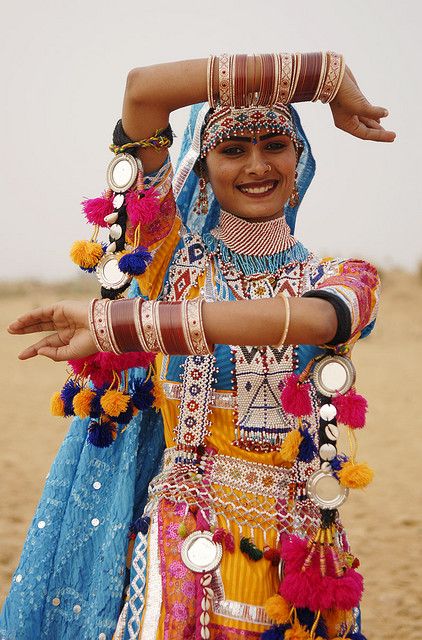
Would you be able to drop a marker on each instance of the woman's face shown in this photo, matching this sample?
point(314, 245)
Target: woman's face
point(253, 178)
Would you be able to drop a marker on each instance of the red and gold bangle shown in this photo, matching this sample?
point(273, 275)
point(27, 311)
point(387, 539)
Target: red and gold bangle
point(331, 83)
point(123, 315)
point(240, 80)
point(92, 324)
point(138, 324)
point(285, 60)
point(224, 80)
point(210, 81)
point(147, 322)
point(277, 75)
point(309, 77)
point(321, 80)
point(267, 79)
point(100, 325)
point(296, 60)
point(171, 328)
point(194, 328)
point(339, 79)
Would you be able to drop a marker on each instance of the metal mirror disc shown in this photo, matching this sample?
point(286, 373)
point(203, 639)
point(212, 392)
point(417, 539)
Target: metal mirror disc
point(334, 374)
point(122, 172)
point(325, 490)
point(118, 200)
point(200, 553)
point(109, 274)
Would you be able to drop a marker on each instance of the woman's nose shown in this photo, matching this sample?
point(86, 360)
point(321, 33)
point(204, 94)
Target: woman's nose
point(257, 163)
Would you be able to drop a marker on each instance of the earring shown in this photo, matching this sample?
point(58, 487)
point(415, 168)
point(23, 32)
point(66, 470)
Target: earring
point(294, 196)
point(202, 201)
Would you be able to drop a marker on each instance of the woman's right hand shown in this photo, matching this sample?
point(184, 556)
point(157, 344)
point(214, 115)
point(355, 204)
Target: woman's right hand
point(69, 322)
point(355, 115)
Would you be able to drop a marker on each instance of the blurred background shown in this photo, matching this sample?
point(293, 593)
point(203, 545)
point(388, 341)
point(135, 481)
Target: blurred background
point(64, 67)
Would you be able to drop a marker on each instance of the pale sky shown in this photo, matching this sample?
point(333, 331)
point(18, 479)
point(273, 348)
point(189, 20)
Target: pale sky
point(64, 67)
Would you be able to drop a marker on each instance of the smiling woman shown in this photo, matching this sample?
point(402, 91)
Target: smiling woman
point(208, 401)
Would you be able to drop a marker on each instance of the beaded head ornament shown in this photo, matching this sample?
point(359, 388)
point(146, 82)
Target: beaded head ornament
point(205, 128)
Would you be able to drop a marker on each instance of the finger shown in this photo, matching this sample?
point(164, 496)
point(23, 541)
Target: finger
point(368, 110)
point(15, 329)
point(42, 316)
point(372, 124)
point(52, 342)
point(360, 130)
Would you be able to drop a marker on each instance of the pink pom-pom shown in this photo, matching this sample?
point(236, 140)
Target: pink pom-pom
point(295, 396)
point(229, 542)
point(142, 208)
point(351, 409)
point(309, 589)
point(100, 366)
point(219, 535)
point(96, 209)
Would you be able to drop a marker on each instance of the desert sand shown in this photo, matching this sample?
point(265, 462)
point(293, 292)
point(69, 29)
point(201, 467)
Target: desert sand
point(384, 521)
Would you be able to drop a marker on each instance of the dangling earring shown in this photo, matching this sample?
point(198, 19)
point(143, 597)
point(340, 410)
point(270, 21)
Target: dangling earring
point(202, 202)
point(294, 196)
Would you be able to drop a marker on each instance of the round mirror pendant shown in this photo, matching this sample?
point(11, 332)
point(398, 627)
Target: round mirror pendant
point(325, 490)
point(122, 172)
point(200, 553)
point(334, 374)
point(109, 274)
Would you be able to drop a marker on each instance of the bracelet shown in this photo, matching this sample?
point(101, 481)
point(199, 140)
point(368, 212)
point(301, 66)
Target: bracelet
point(339, 79)
point(332, 78)
point(308, 77)
point(194, 328)
point(286, 321)
point(240, 80)
point(100, 326)
point(92, 324)
point(321, 77)
point(286, 64)
point(123, 325)
point(224, 79)
point(267, 79)
point(210, 81)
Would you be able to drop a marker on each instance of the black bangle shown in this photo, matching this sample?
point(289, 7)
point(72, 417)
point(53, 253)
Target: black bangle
point(120, 137)
point(344, 320)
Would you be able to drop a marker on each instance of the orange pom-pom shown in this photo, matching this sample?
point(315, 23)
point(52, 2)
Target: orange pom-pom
point(57, 405)
point(278, 609)
point(334, 619)
point(82, 403)
point(289, 449)
point(86, 254)
point(114, 402)
point(297, 632)
point(355, 475)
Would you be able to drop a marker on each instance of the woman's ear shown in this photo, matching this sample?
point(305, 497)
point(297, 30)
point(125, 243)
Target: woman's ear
point(200, 168)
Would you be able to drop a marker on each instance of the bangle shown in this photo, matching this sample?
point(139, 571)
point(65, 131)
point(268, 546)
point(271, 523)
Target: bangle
point(286, 321)
point(332, 77)
point(224, 79)
point(210, 81)
point(240, 80)
point(138, 324)
point(123, 325)
point(194, 328)
point(92, 324)
point(267, 79)
point(321, 77)
point(308, 78)
point(147, 323)
point(286, 64)
point(296, 64)
point(339, 79)
point(100, 324)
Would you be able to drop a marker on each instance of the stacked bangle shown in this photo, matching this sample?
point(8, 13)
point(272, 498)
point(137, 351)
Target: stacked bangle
point(173, 328)
point(286, 321)
point(283, 78)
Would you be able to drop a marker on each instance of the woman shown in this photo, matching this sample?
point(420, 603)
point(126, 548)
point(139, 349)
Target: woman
point(240, 537)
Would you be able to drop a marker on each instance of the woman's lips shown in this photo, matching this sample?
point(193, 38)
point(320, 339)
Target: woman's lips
point(258, 189)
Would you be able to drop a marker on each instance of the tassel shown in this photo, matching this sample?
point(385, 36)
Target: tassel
point(142, 396)
point(142, 208)
point(289, 449)
point(338, 462)
point(96, 209)
point(275, 633)
point(57, 405)
point(272, 555)
point(135, 263)
point(335, 618)
point(141, 525)
point(102, 434)
point(86, 254)
point(297, 632)
point(251, 550)
point(355, 475)
point(82, 403)
point(229, 542)
point(351, 409)
point(126, 416)
point(114, 402)
point(295, 396)
point(69, 391)
point(278, 609)
point(356, 636)
point(307, 448)
point(219, 535)
point(308, 618)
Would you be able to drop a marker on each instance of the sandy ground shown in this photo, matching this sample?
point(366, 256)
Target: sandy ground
point(384, 521)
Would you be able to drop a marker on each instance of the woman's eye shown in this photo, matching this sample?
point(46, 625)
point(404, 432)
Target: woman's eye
point(276, 146)
point(232, 151)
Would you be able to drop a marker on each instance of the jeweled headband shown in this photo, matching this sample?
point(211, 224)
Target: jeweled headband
point(225, 122)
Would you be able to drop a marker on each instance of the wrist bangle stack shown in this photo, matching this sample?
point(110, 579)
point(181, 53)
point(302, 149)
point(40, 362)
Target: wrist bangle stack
point(173, 328)
point(210, 81)
point(286, 321)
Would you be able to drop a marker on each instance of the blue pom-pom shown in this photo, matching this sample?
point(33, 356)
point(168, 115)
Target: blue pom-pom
point(126, 417)
point(356, 636)
point(307, 448)
point(142, 396)
point(307, 618)
point(276, 632)
point(136, 262)
point(337, 462)
point(141, 525)
point(101, 434)
point(69, 391)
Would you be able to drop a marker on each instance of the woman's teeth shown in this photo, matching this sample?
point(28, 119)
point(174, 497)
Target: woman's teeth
point(263, 189)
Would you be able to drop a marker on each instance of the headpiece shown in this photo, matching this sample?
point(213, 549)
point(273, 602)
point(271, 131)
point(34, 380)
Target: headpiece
point(226, 122)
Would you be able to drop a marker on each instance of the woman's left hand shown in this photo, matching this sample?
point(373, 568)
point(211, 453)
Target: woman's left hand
point(69, 321)
point(354, 114)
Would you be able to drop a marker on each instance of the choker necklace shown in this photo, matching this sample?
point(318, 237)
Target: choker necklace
point(254, 247)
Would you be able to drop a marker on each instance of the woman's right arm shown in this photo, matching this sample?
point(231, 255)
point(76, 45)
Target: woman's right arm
point(152, 93)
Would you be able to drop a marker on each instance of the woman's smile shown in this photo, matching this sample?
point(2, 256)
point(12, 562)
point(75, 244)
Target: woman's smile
point(258, 189)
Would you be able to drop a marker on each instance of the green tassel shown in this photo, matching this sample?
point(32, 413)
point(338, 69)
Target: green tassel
point(251, 550)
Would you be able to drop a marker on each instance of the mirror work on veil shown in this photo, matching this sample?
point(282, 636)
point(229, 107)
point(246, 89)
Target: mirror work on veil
point(198, 492)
